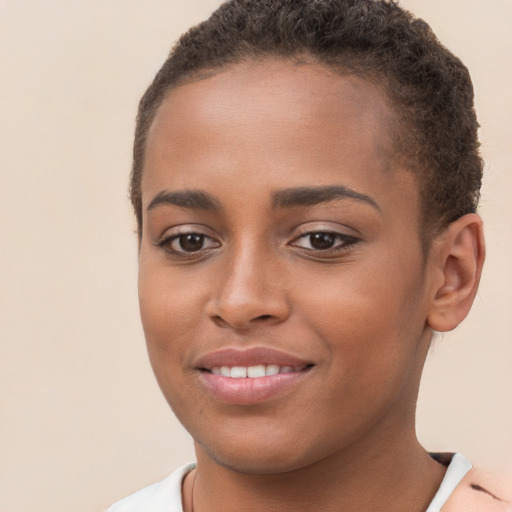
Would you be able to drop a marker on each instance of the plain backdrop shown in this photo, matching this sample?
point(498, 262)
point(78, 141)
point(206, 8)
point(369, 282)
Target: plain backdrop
point(82, 420)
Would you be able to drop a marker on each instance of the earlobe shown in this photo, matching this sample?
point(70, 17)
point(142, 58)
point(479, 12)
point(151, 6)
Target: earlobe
point(460, 254)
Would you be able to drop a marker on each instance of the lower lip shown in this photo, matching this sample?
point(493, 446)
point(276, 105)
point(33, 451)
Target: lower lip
point(249, 391)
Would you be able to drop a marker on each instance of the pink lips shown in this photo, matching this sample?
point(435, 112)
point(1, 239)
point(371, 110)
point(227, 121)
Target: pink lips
point(248, 391)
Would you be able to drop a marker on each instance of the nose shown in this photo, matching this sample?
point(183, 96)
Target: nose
point(249, 291)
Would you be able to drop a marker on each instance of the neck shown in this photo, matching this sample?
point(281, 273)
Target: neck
point(400, 478)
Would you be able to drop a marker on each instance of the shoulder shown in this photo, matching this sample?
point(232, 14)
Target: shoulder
point(480, 491)
point(164, 496)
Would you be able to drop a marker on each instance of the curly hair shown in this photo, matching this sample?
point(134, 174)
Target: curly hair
point(430, 89)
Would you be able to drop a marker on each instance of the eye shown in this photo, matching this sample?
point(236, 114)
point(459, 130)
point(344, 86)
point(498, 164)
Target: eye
point(188, 243)
point(324, 241)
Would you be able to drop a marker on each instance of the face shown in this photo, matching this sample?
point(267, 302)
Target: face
point(283, 288)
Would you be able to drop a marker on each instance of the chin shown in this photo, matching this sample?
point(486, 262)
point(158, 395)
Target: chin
point(262, 453)
point(262, 464)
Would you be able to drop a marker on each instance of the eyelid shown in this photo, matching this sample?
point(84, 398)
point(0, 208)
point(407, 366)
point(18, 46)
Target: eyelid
point(174, 233)
point(184, 229)
point(347, 240)
point(311, 227)
point(345, 234)
point(317, 226)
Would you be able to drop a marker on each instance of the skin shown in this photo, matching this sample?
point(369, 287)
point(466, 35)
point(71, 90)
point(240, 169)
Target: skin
point(361, 312)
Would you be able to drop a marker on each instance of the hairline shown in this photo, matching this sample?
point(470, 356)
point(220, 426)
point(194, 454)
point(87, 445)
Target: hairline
point(428, 229)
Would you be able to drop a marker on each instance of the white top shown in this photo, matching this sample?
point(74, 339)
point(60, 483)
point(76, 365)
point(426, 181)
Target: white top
point(456, 471)
point(165, 496)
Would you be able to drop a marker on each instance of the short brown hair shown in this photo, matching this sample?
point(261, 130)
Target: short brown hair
point(429, 87)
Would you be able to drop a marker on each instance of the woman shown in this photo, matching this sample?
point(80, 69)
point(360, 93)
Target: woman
point(306, 176)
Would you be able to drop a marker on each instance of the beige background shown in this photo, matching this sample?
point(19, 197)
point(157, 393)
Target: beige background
point(82, 421)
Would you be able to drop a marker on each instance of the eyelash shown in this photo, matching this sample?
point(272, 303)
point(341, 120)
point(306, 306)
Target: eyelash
point(344, 242)
point(167, 243)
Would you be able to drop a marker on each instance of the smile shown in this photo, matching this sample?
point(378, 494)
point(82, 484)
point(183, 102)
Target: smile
point(254, 372)
point(252, 376)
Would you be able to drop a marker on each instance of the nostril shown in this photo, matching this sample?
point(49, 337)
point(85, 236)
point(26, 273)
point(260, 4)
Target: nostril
point(220, 321)
point(263, 317)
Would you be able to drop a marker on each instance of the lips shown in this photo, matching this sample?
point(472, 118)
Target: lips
point(251, 376)
point(231, 357)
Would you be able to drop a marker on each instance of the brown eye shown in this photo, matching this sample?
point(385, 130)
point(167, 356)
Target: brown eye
point(190, 242)
point(321, 241)
point(324, 241)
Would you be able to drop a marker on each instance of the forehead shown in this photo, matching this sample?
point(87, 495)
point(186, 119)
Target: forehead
point(270, 91)
point(272, 121)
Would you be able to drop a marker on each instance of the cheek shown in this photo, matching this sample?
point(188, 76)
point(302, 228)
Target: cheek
point(373, 342)
point(169, 323)
point(371, 320)
point(169, 314)
point(376, 297)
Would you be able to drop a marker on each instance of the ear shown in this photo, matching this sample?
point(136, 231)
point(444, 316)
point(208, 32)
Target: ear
point(459, 254)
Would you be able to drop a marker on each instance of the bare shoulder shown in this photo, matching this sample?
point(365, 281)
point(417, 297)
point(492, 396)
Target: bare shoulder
point(481, 491)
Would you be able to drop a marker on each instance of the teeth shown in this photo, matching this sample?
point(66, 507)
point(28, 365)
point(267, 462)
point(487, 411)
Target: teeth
point(238, 372)
point(256, 371)
point(260, 370)
point(272, 369)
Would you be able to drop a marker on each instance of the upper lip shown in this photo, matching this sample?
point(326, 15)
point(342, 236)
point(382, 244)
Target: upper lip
point(248, 357)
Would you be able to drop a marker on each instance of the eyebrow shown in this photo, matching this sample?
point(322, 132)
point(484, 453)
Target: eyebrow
point(309, 196)
point(193, 199)
point(286, 198)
